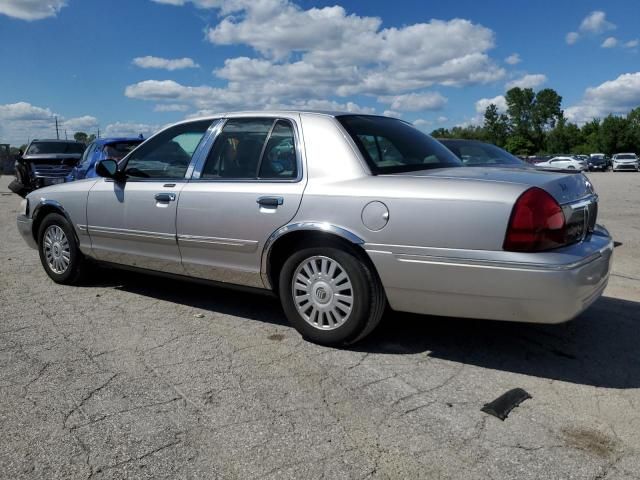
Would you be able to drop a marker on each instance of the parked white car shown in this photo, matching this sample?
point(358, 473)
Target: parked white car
point(625, 161)
point(563, 163)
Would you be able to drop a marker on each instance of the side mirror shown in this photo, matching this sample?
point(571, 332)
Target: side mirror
point(108, 168)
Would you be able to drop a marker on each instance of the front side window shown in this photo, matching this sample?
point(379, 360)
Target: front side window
point(168, 154)
point(253, 149)
point(392, 146)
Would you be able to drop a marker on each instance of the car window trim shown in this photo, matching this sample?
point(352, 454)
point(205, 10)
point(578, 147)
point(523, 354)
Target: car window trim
point(297, 139)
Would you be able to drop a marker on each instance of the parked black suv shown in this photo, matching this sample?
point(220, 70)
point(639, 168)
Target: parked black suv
point(45, 162)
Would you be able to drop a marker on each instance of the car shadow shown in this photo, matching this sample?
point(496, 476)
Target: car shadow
point(599, 348)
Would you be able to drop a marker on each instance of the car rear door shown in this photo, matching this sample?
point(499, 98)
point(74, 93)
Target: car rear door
point(249, 185)
point(134, 222)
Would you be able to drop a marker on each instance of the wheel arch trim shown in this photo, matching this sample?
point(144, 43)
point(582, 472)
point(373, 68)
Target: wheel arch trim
point(318, 227)
point(53, 205)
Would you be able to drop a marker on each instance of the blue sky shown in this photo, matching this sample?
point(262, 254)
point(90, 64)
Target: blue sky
point(136, 65)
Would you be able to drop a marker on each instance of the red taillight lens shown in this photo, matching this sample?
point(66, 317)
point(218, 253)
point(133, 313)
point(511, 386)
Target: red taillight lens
point(537, 223)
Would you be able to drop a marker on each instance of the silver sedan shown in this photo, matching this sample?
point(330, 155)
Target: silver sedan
point(340, 215)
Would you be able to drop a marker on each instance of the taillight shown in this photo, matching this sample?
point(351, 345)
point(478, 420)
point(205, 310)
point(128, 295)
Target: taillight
point(537, 223)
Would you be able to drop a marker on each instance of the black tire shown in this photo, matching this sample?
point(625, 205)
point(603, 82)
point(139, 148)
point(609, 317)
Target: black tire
point(77, 265)
point(368, 296)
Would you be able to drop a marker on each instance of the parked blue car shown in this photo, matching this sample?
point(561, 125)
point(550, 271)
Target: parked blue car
point(100, 149)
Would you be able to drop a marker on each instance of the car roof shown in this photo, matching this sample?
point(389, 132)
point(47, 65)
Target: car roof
point(107, 141)
point(53, 140)
point(275, 113)
point(463, 140)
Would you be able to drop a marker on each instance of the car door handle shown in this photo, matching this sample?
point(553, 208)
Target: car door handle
point(165, 197)
point(270, 201)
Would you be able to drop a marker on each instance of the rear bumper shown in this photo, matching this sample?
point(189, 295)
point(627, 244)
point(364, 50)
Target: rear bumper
point(25, 225)
point(549, 287)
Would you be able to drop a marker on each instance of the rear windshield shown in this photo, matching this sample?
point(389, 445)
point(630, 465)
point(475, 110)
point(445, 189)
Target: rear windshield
point(119, 150)
point(391, 146)
point(39, 148)
point(477, 154)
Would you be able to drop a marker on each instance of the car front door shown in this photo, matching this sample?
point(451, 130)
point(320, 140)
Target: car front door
point(133, 222)
point(249, 185)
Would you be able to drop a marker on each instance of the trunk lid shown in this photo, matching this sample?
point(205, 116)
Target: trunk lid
point(564, 187)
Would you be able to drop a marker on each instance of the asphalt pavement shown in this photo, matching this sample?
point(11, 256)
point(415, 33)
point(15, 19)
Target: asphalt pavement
point(132, 376)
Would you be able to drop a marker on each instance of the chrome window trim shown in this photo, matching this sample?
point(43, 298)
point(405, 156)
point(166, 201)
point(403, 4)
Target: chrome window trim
point(202, 152)
point(297, 136)
point(323, 227)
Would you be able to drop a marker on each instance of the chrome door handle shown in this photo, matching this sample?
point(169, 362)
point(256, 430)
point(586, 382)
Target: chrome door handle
point(165, 197)
point(270, 201)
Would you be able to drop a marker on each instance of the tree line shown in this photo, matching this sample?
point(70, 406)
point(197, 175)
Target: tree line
point(534, 124)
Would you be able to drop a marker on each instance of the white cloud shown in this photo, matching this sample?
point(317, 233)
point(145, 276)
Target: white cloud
point(86, 123)
point(617, 96)
point(442, 119)
point(610, 42)
point(632, 43)
point(326, 52)
point(31, 9)
point(481, 106)
point(572, 37)
point(423, 124)
point(392, 113)
point(593, 24)
point(22, 121)
point(165, 63)
point(415, 102)
point(527, 81)
point(513, 59)
point(129, 129)
point(23, 111)
point(500, 102)
point(596, 22)
point(171, 107)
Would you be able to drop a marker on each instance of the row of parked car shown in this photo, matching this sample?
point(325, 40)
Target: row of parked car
point(596, 162)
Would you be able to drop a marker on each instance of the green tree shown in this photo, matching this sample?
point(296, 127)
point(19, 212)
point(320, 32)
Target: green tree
point(441, 133)
point(80, 137)
point(519, 145)
point(612, 135)
point(496, 126)
point(532, 115)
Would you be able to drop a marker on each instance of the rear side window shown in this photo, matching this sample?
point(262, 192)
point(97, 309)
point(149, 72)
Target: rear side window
point(392, 146)
point(253, 149)
point(119, 150)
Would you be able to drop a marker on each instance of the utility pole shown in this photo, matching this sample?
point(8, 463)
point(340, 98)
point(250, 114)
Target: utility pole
point(57, 131)
point(65, 134)
point(98, 132)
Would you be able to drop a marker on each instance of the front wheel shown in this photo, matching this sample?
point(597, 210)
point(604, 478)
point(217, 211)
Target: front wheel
point(331, 296)
point(59, 252)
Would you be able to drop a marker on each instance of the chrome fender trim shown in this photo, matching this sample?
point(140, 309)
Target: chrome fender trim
point(323, 227)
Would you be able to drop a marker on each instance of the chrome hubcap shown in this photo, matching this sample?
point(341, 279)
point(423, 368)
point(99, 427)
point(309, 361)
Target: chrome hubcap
point(56, 249)
point(322, 292)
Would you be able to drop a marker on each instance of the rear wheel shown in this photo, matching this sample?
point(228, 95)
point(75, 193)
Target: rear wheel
point(331, 296)
point(59, 252)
